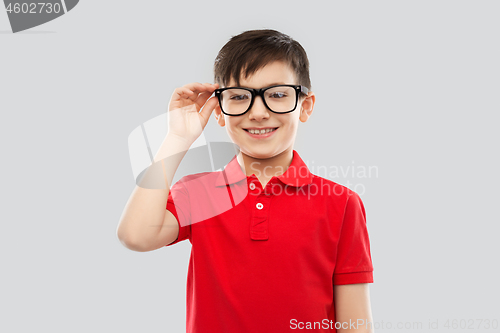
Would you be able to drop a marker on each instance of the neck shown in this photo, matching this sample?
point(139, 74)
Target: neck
point(265, 169)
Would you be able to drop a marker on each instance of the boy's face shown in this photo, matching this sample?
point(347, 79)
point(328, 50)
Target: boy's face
point(283, 138)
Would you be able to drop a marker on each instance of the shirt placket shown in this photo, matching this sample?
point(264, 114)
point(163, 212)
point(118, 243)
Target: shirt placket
point(259, 224)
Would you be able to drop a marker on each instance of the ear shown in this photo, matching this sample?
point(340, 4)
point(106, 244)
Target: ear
point(307, 106)
point(219, 116)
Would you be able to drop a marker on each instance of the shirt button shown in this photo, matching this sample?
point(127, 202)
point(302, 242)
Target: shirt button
point(252, 186)
point(259, 206)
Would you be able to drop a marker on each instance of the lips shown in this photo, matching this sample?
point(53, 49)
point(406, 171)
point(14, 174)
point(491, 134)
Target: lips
point(258, 131)
point(263, 136)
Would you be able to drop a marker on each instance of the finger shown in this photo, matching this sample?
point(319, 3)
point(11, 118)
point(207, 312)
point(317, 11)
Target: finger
point(196, 88)
point(203, 96)
point(213, 85)
point(208, 108)
point(204, 87)
point(191, 92)
point(181, 93)
point(202, 99)
point(209, 87)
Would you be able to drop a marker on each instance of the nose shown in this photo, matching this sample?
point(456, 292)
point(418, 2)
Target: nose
point(258, 111)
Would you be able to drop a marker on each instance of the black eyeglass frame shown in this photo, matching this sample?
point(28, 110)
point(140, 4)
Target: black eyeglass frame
point(260, 92)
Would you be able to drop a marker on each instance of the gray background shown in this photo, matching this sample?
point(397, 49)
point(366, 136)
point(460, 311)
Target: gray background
point(410, 87)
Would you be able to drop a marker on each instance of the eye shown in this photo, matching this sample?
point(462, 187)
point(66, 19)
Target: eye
point(277, 95)
point(238, 97)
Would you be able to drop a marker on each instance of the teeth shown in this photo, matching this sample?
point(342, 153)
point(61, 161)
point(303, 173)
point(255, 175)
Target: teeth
point(263, 131)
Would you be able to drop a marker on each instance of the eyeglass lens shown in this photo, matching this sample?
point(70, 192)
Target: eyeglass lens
point(279, 99)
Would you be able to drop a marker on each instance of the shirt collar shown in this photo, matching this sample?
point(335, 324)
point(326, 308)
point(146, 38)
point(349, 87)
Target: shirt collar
point(297, 174)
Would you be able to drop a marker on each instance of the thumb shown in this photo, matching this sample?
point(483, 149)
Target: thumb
point(208, 108)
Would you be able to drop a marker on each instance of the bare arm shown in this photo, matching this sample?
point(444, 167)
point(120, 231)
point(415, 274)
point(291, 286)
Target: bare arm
point(352, 305)
point(145, 223)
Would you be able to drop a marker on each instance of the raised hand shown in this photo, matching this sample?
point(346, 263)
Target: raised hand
point(184, 117)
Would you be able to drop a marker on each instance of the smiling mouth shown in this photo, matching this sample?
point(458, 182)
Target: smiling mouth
point(260, 132)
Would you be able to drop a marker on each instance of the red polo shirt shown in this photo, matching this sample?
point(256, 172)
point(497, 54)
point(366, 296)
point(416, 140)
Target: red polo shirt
point(265, 259)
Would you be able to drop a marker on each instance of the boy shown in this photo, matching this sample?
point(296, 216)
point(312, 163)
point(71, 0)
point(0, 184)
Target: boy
point(274, 247)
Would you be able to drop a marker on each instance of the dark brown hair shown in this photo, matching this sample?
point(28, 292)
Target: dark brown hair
point(253, 49)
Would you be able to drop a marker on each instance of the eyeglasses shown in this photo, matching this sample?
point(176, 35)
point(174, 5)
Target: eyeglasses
point(236, 101)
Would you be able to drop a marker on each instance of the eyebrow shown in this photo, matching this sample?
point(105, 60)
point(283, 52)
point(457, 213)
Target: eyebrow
point(268, 85)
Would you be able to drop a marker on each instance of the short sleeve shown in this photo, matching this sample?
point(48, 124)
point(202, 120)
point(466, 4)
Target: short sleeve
point(354, 263)
point(178, 205)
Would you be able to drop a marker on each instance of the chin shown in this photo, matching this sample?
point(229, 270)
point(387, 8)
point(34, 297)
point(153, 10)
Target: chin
point(260, 153)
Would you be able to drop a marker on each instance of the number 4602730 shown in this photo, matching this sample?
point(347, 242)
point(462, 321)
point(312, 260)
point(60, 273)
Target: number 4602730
point(471, 324)
point(33, 8)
